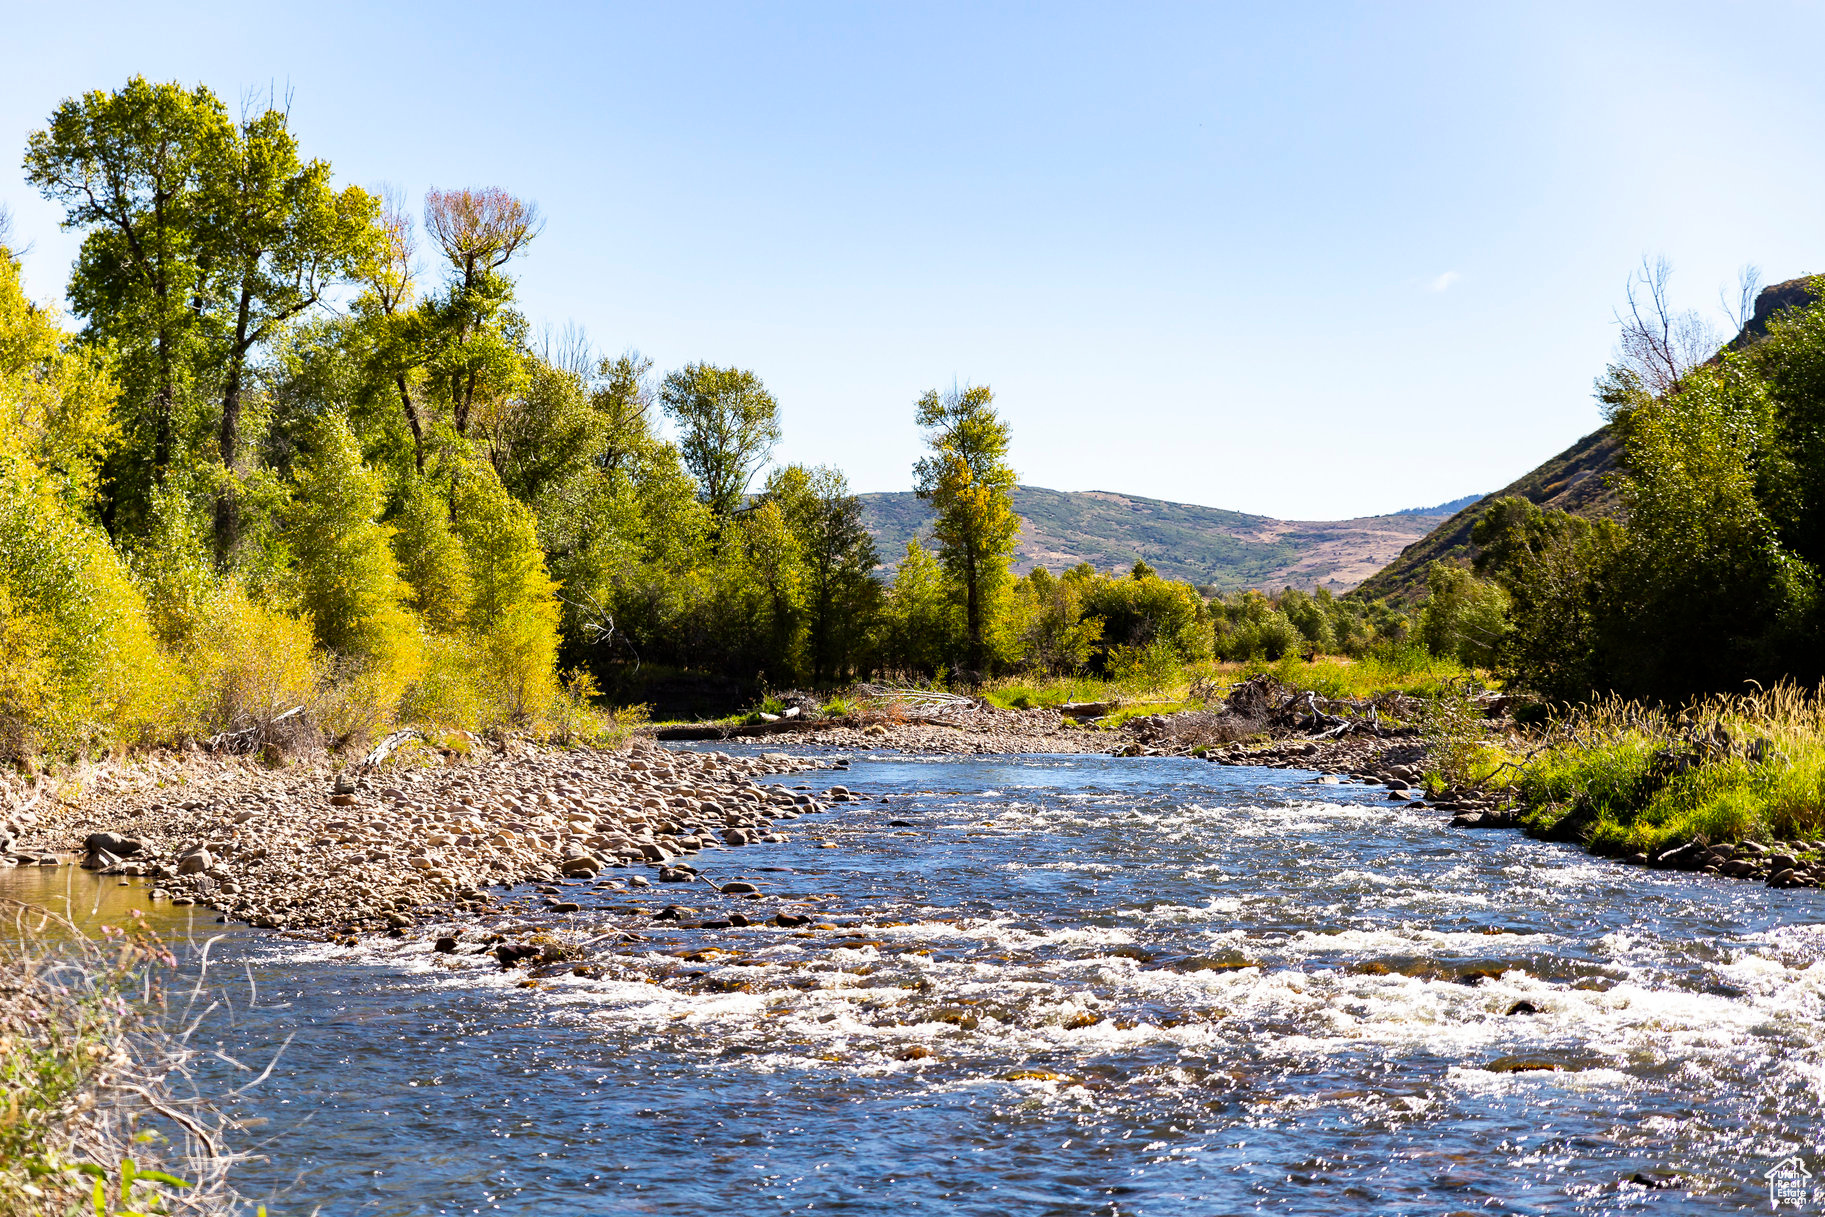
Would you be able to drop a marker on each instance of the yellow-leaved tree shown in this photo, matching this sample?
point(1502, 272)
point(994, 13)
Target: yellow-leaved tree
point(79, 666)
point(970, 486)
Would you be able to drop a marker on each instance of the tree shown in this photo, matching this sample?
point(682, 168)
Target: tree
point(478, 232)
point(919, 627)
point(1057, 636)
point(126, 167)
point(348, 580)
point(729, 426)
point(1660, 344)
point(393, 330)
point(770, 575)
point(277, 236)
point(969, 484)
point(1464, 618)
point(542, 435)
point(623, 400)
point(838, 556)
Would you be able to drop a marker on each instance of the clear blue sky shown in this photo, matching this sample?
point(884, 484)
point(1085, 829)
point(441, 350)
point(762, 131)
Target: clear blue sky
point(1313, 261)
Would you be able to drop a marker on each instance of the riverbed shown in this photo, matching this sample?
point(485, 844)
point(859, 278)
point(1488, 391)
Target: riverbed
point(1038, 985)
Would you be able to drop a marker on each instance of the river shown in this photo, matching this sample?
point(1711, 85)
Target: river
point(1056, 985)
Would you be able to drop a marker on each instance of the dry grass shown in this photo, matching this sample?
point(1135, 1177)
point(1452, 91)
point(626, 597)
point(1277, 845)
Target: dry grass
point(95, 1090)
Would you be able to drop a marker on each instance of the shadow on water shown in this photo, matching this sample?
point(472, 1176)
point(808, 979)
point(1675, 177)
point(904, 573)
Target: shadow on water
point(1051, 985)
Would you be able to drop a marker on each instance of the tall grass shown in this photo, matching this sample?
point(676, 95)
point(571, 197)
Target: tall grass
point(1406, 670)
point(1623, 777)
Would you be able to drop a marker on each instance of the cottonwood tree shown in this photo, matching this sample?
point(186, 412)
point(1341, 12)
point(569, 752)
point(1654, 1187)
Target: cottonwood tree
point(478, 232)
point(276, 236)
point(969, 484)
point(126, 168)
point(728, 427)
point(392, 328)
point(841, 596)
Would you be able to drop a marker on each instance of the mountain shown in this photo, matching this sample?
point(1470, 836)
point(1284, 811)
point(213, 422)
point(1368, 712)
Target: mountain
point(1227, 550)
point(1577, 480)
point(1443, 509)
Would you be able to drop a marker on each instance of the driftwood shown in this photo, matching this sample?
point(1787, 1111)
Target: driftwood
point(385, 748)
point(250, 737)
point(923, 705)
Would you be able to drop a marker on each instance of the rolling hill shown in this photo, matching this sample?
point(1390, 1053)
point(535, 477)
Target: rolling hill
point(1226, 550)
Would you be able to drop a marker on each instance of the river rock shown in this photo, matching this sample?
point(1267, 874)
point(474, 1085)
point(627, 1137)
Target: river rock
point(195, 863)
point(120, 847)
point(739, 888)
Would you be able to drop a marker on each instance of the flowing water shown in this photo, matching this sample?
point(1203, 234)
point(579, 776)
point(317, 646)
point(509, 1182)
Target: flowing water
point(1061, 985)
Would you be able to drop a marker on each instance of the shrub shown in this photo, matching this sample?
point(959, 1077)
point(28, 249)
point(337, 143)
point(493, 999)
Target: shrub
point(82, 667)
point(512, 617)
point(247, 664)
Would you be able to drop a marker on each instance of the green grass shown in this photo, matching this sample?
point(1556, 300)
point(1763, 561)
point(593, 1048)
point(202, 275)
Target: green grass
point(1609, 776)
point(1405, 670)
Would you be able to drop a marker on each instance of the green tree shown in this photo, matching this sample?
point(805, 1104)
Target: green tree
point(770, 572)
point(513, 609)
point(1464, 618)
point(919, 630)
point(838, 557)
point(547, 433)
point(1056, 635)
point(623, 400)
point(431, 557)
point(277, 236)
point(348, 580)
point(127, 166)
point(728, 426)
point(391, 330)
point(970, 485)
point(477, 336)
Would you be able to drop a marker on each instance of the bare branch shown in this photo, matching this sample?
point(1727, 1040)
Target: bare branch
point(1659, 344)
point(1748, 287)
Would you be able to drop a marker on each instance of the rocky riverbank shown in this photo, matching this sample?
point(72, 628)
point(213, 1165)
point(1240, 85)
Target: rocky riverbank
point(982, 730)
point(307, 848)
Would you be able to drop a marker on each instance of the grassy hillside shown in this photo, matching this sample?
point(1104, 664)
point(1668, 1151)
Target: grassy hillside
point(1206, 545)
point(1576, 480)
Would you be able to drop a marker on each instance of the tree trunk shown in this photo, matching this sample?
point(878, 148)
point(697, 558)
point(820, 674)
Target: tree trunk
point(418, 433)
point(973, 615)
point(227, 510)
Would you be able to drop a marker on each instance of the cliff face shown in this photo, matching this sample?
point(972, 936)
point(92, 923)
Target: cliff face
point(1578, 480)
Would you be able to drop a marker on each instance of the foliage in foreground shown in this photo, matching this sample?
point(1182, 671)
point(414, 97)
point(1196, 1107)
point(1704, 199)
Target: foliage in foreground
point(89, 1118)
